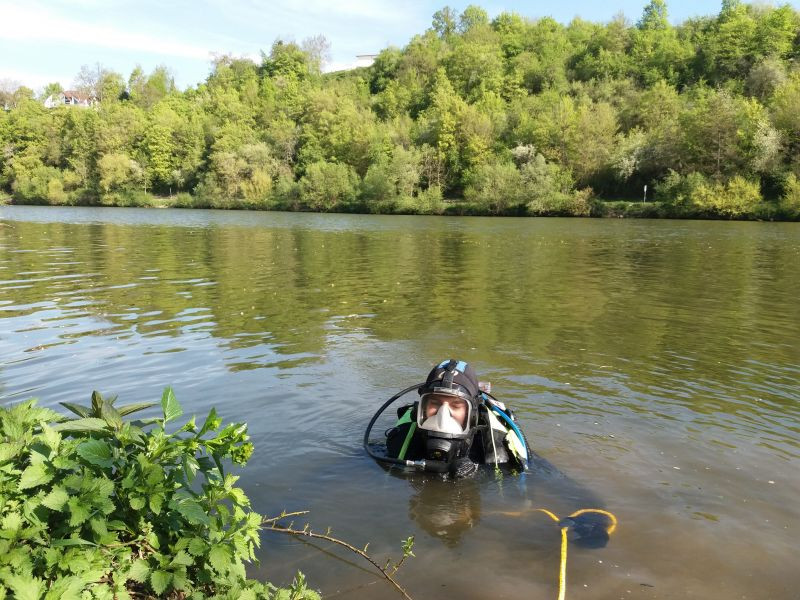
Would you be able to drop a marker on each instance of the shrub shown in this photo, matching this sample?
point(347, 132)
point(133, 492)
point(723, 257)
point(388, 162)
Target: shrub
point(119, 173)
point(33, 182)
point(427, 202)
point(575, 204)
point(186, 200)
point(496, 187)
point(549, 190)
point(379, 192)
point(392, 180)
point(98, 507)
point(736, 198)
point(790, 200)
point(676, 191)
point(328, 186)
point(693, 194)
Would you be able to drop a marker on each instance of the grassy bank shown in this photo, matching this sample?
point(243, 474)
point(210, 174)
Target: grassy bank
point(628, 209)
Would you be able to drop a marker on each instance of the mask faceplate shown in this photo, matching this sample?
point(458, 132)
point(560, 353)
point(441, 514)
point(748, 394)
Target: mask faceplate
point(442, 422)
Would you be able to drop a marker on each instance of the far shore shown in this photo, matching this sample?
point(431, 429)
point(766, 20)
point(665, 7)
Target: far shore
point(618, 209)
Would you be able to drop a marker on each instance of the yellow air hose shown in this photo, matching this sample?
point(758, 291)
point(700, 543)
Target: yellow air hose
point(562, 569)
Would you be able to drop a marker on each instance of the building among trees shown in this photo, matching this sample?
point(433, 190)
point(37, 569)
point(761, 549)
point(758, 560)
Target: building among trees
point(70, 98)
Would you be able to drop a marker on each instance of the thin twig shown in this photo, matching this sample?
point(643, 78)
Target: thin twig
point(306, 531)
point(346, 560)
point(283, 515)
point(400, 563)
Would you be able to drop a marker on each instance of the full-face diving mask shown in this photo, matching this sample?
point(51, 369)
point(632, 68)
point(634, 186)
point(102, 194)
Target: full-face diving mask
point(447, 412)
point(444, 411)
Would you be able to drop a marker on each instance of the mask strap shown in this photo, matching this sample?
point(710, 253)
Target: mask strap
point(449, 373)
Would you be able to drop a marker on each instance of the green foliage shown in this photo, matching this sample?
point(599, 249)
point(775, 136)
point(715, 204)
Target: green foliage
point(119, 172)
point(790, 200)
point(497, 187)
point(329, 186)
point(735, 199)
point(694, 195)
point(242, 175)
point(102, 507)
point(392, 180)
point(427, 202)
point(677, 191)
point(616, 105)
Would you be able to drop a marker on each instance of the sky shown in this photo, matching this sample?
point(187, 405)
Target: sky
point(49, 41)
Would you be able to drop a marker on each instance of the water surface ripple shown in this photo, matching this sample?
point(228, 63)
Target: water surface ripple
point(656, 363)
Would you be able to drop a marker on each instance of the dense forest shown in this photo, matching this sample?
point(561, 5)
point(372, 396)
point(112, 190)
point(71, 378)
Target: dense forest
point(509, 115)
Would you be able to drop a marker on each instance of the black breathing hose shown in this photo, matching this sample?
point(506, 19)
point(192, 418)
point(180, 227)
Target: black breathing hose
point(420, 464)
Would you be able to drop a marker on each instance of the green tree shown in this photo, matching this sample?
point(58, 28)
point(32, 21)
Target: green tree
point(656, 51)
point(439, 128)
point(329, 186)
point(286, 59)
point(392, 180)
point(785, 109)
point(444, 22)
point(51, 89)
point(719, 130)
point(605, 56)
point(495, 187)
point(119, 173)
point(473, 17)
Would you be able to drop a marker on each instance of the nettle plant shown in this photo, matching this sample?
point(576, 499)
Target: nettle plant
point(101, 507)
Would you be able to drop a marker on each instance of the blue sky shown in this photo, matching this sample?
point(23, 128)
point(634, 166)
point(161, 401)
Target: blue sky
point(44, 41)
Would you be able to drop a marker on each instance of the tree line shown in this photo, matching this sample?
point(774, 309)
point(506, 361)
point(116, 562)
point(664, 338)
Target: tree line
point(509, 115)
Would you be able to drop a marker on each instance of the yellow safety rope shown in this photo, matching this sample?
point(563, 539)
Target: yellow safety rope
point(562, 570)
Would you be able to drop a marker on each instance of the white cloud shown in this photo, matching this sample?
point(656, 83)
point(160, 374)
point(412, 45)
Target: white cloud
point(34, 22)
point(361, 9)
point(35, 81)
point(313, 11)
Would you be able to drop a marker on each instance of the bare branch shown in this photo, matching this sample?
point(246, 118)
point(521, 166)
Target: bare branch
point(271, 525)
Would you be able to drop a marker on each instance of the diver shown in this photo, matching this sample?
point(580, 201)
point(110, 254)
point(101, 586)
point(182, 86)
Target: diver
point(457, 425)
point(453, 427)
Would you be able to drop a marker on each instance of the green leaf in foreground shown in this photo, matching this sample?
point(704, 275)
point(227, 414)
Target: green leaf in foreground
point(86, 425)
point(131, 408)
point(25, 588)
point(56, 499)
point(35, 475)
point(71, 542)
point(192, 512)
point(160, 580)
point(79, 410)
point(220, 559)
point(139, 571)
point(169, 405)
point(96, 452)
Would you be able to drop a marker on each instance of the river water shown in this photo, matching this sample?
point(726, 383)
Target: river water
point(655, 363)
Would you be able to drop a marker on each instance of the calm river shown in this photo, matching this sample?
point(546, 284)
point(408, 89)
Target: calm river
point(656, 363)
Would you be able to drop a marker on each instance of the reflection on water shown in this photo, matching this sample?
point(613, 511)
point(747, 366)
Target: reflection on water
point(656, 363)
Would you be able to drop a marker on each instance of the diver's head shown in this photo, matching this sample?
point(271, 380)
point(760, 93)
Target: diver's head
point(448, 410)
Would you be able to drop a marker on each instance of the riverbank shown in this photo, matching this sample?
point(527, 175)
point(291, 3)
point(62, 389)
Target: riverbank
point(618, 209)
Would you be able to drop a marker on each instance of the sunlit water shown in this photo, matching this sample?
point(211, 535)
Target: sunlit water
point(656, 363)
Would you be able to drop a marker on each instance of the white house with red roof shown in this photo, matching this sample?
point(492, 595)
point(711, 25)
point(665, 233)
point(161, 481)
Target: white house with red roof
point(70, 98)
